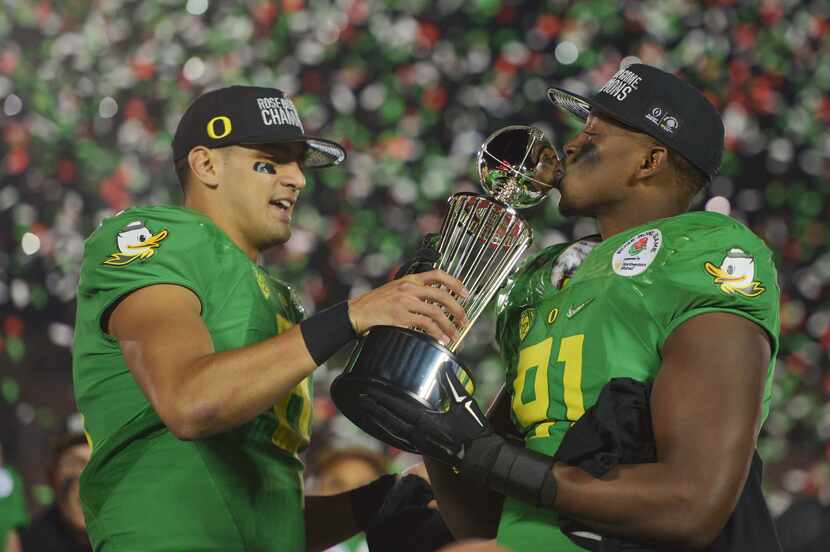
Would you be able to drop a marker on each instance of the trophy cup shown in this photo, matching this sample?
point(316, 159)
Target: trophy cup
point(481, 240)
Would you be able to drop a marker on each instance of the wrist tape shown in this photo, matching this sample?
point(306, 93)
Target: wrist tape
point(511, 470)
point(327, 331)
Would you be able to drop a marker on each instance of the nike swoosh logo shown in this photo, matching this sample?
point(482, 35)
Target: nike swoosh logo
point(573, 311)
point(458, 397)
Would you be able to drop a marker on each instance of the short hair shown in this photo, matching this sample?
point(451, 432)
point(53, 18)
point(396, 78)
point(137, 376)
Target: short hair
point(183, 173)
point(689, 177)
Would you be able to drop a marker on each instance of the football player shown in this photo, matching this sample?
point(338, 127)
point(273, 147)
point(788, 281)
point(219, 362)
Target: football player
point(688, 300)
point(192, 365)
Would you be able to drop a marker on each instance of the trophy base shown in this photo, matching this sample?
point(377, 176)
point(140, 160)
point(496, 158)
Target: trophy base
point(403, 363)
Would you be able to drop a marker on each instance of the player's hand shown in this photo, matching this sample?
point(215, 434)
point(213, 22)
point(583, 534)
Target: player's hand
point(444, 436)
point(462, 438)
point(414, 301)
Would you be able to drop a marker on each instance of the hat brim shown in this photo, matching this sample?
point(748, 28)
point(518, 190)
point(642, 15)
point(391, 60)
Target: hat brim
point(319, 153)
point(574, 104)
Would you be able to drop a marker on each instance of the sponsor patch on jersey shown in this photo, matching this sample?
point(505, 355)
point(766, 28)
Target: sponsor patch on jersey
point(525, 322)
point(634, 256)
point(736, 274)
point(135, 241)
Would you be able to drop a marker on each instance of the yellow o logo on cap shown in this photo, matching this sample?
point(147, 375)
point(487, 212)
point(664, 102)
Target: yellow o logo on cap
point(226, 127)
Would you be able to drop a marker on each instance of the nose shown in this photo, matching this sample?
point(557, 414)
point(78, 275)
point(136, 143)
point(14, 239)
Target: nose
point(573, 145)
point(292, 175)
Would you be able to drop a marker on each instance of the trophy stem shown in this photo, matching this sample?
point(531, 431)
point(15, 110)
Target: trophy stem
point(481, 241)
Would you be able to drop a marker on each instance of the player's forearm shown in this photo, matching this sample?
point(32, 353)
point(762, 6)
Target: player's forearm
point(469, 511)
point(652, 502)
point(229, 388)
point(328, 521)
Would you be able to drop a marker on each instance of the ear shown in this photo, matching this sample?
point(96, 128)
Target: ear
point(655, 160)
point(206, 166)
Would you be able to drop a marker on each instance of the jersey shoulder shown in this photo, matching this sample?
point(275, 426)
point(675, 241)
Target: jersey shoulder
point(139, 233)
point(147, 245)
point(720, 248)
point(530, 279)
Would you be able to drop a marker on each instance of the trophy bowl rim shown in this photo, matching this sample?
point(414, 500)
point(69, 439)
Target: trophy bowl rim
point(426, 337)
point(510, 208)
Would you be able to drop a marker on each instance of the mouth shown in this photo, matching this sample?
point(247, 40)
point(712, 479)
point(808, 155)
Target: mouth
point(284, 206)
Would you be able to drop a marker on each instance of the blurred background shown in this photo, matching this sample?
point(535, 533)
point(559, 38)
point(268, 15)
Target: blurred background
point(91, 91)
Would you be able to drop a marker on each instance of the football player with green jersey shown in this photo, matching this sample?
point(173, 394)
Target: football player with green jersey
point(192, 365)
point(686, 300)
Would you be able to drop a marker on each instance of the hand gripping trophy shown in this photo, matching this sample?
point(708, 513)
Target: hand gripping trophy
point(481, 240)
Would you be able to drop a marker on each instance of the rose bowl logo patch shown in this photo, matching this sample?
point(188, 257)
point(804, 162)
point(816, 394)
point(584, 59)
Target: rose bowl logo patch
point(634, 256)
point(135, 241)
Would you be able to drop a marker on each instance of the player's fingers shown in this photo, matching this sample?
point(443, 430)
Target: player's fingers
point(427, 325)
point(446, 300)
point(440, 277)
point(385, 417)
point(436, 315)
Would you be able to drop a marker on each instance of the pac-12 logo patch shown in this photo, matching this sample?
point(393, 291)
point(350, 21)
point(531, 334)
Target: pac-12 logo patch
point(634, 256)
point(736, 274)
point(525, 322)
point(135, 241)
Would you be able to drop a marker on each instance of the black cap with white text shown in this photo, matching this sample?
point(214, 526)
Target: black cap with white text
point(659, 104)
point(249, 115)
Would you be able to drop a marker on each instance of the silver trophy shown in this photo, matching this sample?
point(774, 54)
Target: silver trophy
point(481, 240)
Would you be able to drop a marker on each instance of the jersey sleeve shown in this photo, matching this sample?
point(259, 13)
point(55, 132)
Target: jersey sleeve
point(719, 268)
point(135, 250)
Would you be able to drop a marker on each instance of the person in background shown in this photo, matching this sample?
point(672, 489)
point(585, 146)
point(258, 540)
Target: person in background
point(341, 470)
point(62, 527)
point(13, 515)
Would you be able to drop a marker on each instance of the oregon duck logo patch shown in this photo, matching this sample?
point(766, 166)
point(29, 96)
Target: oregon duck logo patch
point(525, 322)
point(736, 274)
point(135, 241)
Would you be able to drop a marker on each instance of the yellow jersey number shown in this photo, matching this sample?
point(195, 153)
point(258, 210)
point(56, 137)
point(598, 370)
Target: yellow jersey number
point(531, 397)
point(293, 412)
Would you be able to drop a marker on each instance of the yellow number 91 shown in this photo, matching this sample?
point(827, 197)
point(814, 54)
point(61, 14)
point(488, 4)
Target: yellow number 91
point(531, 396)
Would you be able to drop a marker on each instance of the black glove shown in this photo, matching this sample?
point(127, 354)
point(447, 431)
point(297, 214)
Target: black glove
point(405, 523)
point(424, 259)
point(462, 438)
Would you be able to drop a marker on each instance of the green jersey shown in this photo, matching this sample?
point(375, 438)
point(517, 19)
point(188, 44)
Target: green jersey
point(144, 489)
point(577, 315)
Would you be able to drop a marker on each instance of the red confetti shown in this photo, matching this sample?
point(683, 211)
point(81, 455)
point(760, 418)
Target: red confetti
point(13, 326)
point(17, 161)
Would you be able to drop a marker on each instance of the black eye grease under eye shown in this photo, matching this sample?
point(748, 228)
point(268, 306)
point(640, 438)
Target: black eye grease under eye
point(589, 153)
point(263, 167)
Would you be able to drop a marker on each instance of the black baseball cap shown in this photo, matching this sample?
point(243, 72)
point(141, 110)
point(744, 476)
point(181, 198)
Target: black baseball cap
point(659, 104)
point(249, 115)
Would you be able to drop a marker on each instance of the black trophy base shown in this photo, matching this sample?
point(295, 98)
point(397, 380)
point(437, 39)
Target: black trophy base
point(402, 363)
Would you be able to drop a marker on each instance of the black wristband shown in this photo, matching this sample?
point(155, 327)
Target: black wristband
point(368, 499)
point(327, 331)
point(511, 470)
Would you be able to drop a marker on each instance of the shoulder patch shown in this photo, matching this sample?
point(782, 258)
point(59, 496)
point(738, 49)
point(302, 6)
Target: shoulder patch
point(736, 274)
point(635, 255)
point(135, 241)
point(525, 322)
point(262, 282)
